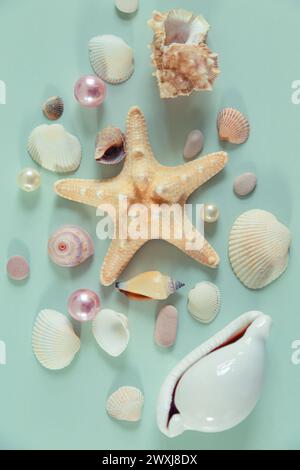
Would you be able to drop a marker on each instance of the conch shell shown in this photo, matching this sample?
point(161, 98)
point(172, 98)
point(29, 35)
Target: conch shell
point(151, 285)
point(110, 146)
point(216, 386)
point(182, 60)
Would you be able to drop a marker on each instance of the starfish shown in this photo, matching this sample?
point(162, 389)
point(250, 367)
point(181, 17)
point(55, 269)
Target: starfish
point(143, 180)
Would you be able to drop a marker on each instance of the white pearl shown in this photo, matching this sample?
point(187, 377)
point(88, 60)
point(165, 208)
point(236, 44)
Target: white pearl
point(127, 6)
point(211, 213)
point(29, 179)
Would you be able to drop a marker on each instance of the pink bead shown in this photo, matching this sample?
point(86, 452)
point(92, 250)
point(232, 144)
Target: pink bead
point(90, 91)
point(83, 305)
point(17, 268)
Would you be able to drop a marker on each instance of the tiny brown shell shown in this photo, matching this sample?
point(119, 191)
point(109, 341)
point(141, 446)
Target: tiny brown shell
point(53, 108)
point(110, 146)
point(233, 126)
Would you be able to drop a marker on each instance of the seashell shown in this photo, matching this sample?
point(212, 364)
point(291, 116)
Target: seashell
point(258, 248)
point(70, 246)
point(244, 184)
point(204, 302)
point(151, 285)
point(216, 386)
point(111, 331)
point(53, 340)
point(194, 144)
point(125, 404)
point(53, 108)
point(110, 146)
point(127, 6)
point(166, 326)
point(52, 147)
point(111, 58)
point(233, 126)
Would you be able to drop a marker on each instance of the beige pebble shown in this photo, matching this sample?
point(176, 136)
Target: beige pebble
point(166, 326)
point(194, 144)
point(244, 184)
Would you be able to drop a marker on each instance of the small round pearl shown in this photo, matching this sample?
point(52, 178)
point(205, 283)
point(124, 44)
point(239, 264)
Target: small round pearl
point(29, 179)
point(210, 213)
point(83, 305)
point(90, 91)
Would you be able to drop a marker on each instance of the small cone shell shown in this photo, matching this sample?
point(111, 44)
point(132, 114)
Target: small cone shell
point(151, 285)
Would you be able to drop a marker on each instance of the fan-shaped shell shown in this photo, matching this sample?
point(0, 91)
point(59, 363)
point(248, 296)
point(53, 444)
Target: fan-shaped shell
point(53, 340)
point(125, 404)
point(53, 108)
point(111, 58)
point(110, 146)
point(52, 147)
point(258, 248)
point(233, 126)
point(70, 246)
point(204, 302)
point(111, 331)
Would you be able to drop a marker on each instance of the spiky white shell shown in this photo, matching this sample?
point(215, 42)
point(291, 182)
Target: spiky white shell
point(125, 404)
point(52, 147)
point(204, 302)
point(53, 340)
point(111, 58)
point(233, 126)
point(258, 248)
point(111, 331)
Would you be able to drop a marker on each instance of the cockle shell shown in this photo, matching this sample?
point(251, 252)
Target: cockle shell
point(111, 331)
point(233, 126)
point(151, 285)
point(204, 302)
point(111, 58)
point(216, 386)
point(125, 404)
point(110, 146)
point(53, 340)
point(127, 6)
point(258, 248)
point(53, 108)
point(166, 326)
point(52, 147)
point(70, 246)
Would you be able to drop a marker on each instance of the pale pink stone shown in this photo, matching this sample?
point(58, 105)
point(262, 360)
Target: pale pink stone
point(166, 326)
point(17, 268)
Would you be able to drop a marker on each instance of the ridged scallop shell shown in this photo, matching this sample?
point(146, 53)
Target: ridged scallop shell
point(233, 126)
point(70, 246)
point(52, 147)
point(53, 340)
point(204, 302)
point(53, 108)
point(111, 331)
point(151, 285)
point(218, 384)
point(258, 248)
point(111, 58)
point(125, 404)
point(110, 146)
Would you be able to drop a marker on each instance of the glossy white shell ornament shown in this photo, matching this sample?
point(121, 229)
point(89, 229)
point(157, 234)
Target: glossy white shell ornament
point(216, 386)
point(258, 248)
point(70, 246)
point(111, 58)
point(204, 302)
point(53, 340)
point(111, 331)
point(125, 404)
point(52, 147)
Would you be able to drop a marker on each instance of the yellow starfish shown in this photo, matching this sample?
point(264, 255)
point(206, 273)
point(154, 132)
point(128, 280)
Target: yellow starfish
point(145, 181)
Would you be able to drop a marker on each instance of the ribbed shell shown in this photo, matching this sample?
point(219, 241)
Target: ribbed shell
point(258, 248)
point(53, 108)
point(53, 340)
point(204, 302)
point(110, 146)
point(111, 58)
point(52, 147)
point(70, 246)
point(125, 404)
point(233, 126)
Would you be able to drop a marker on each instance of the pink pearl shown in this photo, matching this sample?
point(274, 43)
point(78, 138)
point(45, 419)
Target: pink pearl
point(83, 305)
point(17, 268)
point(90, 91)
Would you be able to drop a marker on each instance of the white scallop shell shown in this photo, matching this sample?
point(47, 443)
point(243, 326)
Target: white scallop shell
point(204, 302)
point(258, 248)
point(111, 58)
point(53, 340)
point(125, 404)
point(216, 386)
point(111, 331)
point(52, 147)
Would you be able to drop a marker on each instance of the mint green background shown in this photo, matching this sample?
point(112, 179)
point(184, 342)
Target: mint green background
point(43, 50)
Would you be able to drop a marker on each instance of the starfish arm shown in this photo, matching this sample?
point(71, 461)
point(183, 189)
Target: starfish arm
point(118, 256)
